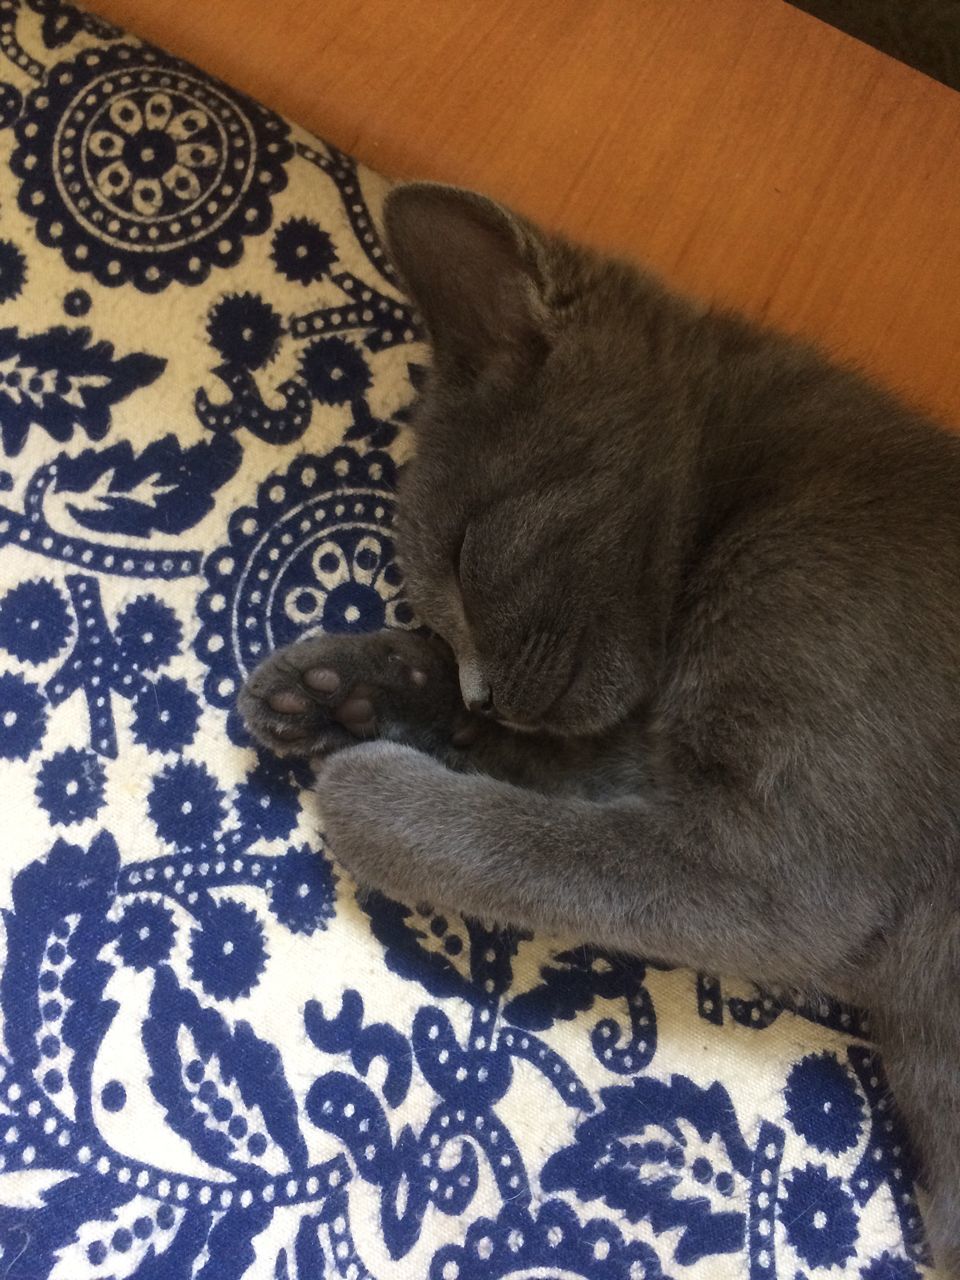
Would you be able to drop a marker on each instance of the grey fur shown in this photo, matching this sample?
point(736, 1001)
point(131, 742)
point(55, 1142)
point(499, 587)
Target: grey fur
point(713, 583)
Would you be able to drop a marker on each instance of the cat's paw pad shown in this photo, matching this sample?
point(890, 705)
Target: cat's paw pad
point(324, 694)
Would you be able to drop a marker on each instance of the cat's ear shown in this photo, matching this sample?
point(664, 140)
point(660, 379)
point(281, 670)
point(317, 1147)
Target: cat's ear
point(476, 273)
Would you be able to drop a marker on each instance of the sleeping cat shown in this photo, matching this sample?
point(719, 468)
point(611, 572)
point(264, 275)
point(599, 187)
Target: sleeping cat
point(698, 688)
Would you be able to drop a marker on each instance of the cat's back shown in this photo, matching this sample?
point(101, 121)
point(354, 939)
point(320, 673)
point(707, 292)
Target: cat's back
point(814, 478)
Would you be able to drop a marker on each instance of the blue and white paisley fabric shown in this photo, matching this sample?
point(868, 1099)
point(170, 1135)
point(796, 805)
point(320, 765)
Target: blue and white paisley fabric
point(215, 1062)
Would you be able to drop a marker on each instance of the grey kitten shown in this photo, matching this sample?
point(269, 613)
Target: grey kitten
point(698, 688)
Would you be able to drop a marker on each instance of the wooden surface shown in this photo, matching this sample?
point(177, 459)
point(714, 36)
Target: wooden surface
point(749, 152)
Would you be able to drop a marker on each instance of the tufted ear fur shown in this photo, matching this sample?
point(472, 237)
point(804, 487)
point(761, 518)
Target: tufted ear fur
point(475, 271)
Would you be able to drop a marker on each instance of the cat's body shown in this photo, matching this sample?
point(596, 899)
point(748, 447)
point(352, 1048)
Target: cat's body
point(712, 584)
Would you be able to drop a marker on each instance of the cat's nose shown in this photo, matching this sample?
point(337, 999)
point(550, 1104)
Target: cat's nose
point(482, 704)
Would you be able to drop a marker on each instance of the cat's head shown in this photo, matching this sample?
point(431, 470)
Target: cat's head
point(527, 529)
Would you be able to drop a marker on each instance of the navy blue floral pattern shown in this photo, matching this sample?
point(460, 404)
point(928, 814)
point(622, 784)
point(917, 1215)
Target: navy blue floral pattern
point(302, 250)
point(217, 1061)
point(165, 714)
point(823, 1103)
point(58, 381)
point(820, 1217)
point(227, 952)
point(166, 488)
point(245, 330)
point(334, 371)
point(140, 170)
point(70, 785)
point(145, 935)
point(34, 620)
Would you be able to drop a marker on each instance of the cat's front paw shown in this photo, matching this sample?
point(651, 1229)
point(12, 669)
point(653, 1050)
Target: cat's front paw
point(383, 808)
point(401, 822)
point(329, 692)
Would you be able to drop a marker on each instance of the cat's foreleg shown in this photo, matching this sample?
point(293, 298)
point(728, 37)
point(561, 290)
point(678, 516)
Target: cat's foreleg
point(629, 874)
